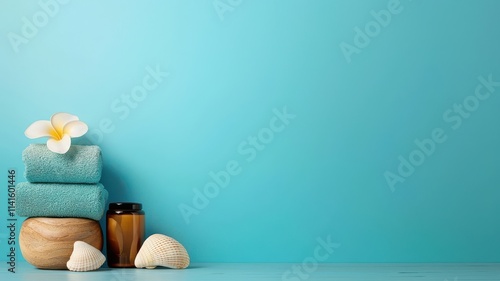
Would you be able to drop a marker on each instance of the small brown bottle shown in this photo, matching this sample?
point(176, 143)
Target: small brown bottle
point(125, 229)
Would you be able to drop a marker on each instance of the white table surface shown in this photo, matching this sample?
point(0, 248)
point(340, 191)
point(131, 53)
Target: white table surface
point(270, 271)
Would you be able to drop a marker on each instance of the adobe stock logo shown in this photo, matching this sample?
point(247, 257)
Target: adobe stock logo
point(223, 6)
point(30, 28)
point(250, 149)
point(324, 249)
point(124, 105)
point(455, 116)
point(372, 29)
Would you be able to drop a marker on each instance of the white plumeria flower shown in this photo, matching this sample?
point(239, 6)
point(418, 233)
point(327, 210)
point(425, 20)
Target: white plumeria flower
point(60, 129)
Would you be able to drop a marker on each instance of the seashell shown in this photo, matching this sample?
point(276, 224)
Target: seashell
point(161, 250)
point(85, 258)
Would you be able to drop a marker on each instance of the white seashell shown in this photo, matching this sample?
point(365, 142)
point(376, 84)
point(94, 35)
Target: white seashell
point(161, 250)
point(85, 257)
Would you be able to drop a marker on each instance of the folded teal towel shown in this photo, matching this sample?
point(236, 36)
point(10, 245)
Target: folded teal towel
point(81, 164)
point(60, 200)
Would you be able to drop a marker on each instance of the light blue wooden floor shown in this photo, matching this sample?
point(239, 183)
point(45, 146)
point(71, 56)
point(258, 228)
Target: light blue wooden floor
point(243, 272)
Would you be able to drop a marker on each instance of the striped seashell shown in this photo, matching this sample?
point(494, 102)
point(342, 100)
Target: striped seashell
point(161, 250)
point(85, 258)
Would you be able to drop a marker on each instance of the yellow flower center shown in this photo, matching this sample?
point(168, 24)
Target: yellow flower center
point(56, 134)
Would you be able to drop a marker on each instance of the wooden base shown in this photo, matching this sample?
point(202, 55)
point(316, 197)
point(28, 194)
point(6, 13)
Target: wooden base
point(47, 243)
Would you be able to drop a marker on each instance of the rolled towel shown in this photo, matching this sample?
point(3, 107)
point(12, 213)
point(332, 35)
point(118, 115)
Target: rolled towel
point(60, 200)
point(81, 164)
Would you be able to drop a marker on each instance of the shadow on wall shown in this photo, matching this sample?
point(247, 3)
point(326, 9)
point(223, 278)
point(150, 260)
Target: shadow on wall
point(111, 179)
point(113, 182)
point(116, 188)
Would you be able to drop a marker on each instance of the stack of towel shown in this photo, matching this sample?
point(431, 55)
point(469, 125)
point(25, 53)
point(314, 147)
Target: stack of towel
point(62, 185)
point(62, 189)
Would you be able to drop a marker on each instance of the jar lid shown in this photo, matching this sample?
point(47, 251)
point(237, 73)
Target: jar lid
point(125, 206)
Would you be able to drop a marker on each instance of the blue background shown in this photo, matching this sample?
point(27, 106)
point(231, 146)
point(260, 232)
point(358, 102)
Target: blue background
point(324, 173)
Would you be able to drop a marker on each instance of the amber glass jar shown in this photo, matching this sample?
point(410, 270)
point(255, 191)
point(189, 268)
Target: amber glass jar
point(125, 227)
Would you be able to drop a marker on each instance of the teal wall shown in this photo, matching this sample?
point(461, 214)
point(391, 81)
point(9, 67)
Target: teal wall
point(371, 125)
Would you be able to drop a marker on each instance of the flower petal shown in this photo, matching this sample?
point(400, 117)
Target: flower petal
point(59, 146)
point(38, 129)
point(75, 129)
point(59, 120)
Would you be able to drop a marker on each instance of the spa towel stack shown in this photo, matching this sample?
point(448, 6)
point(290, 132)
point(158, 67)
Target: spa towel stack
point(62, 185)
point(63, 200)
